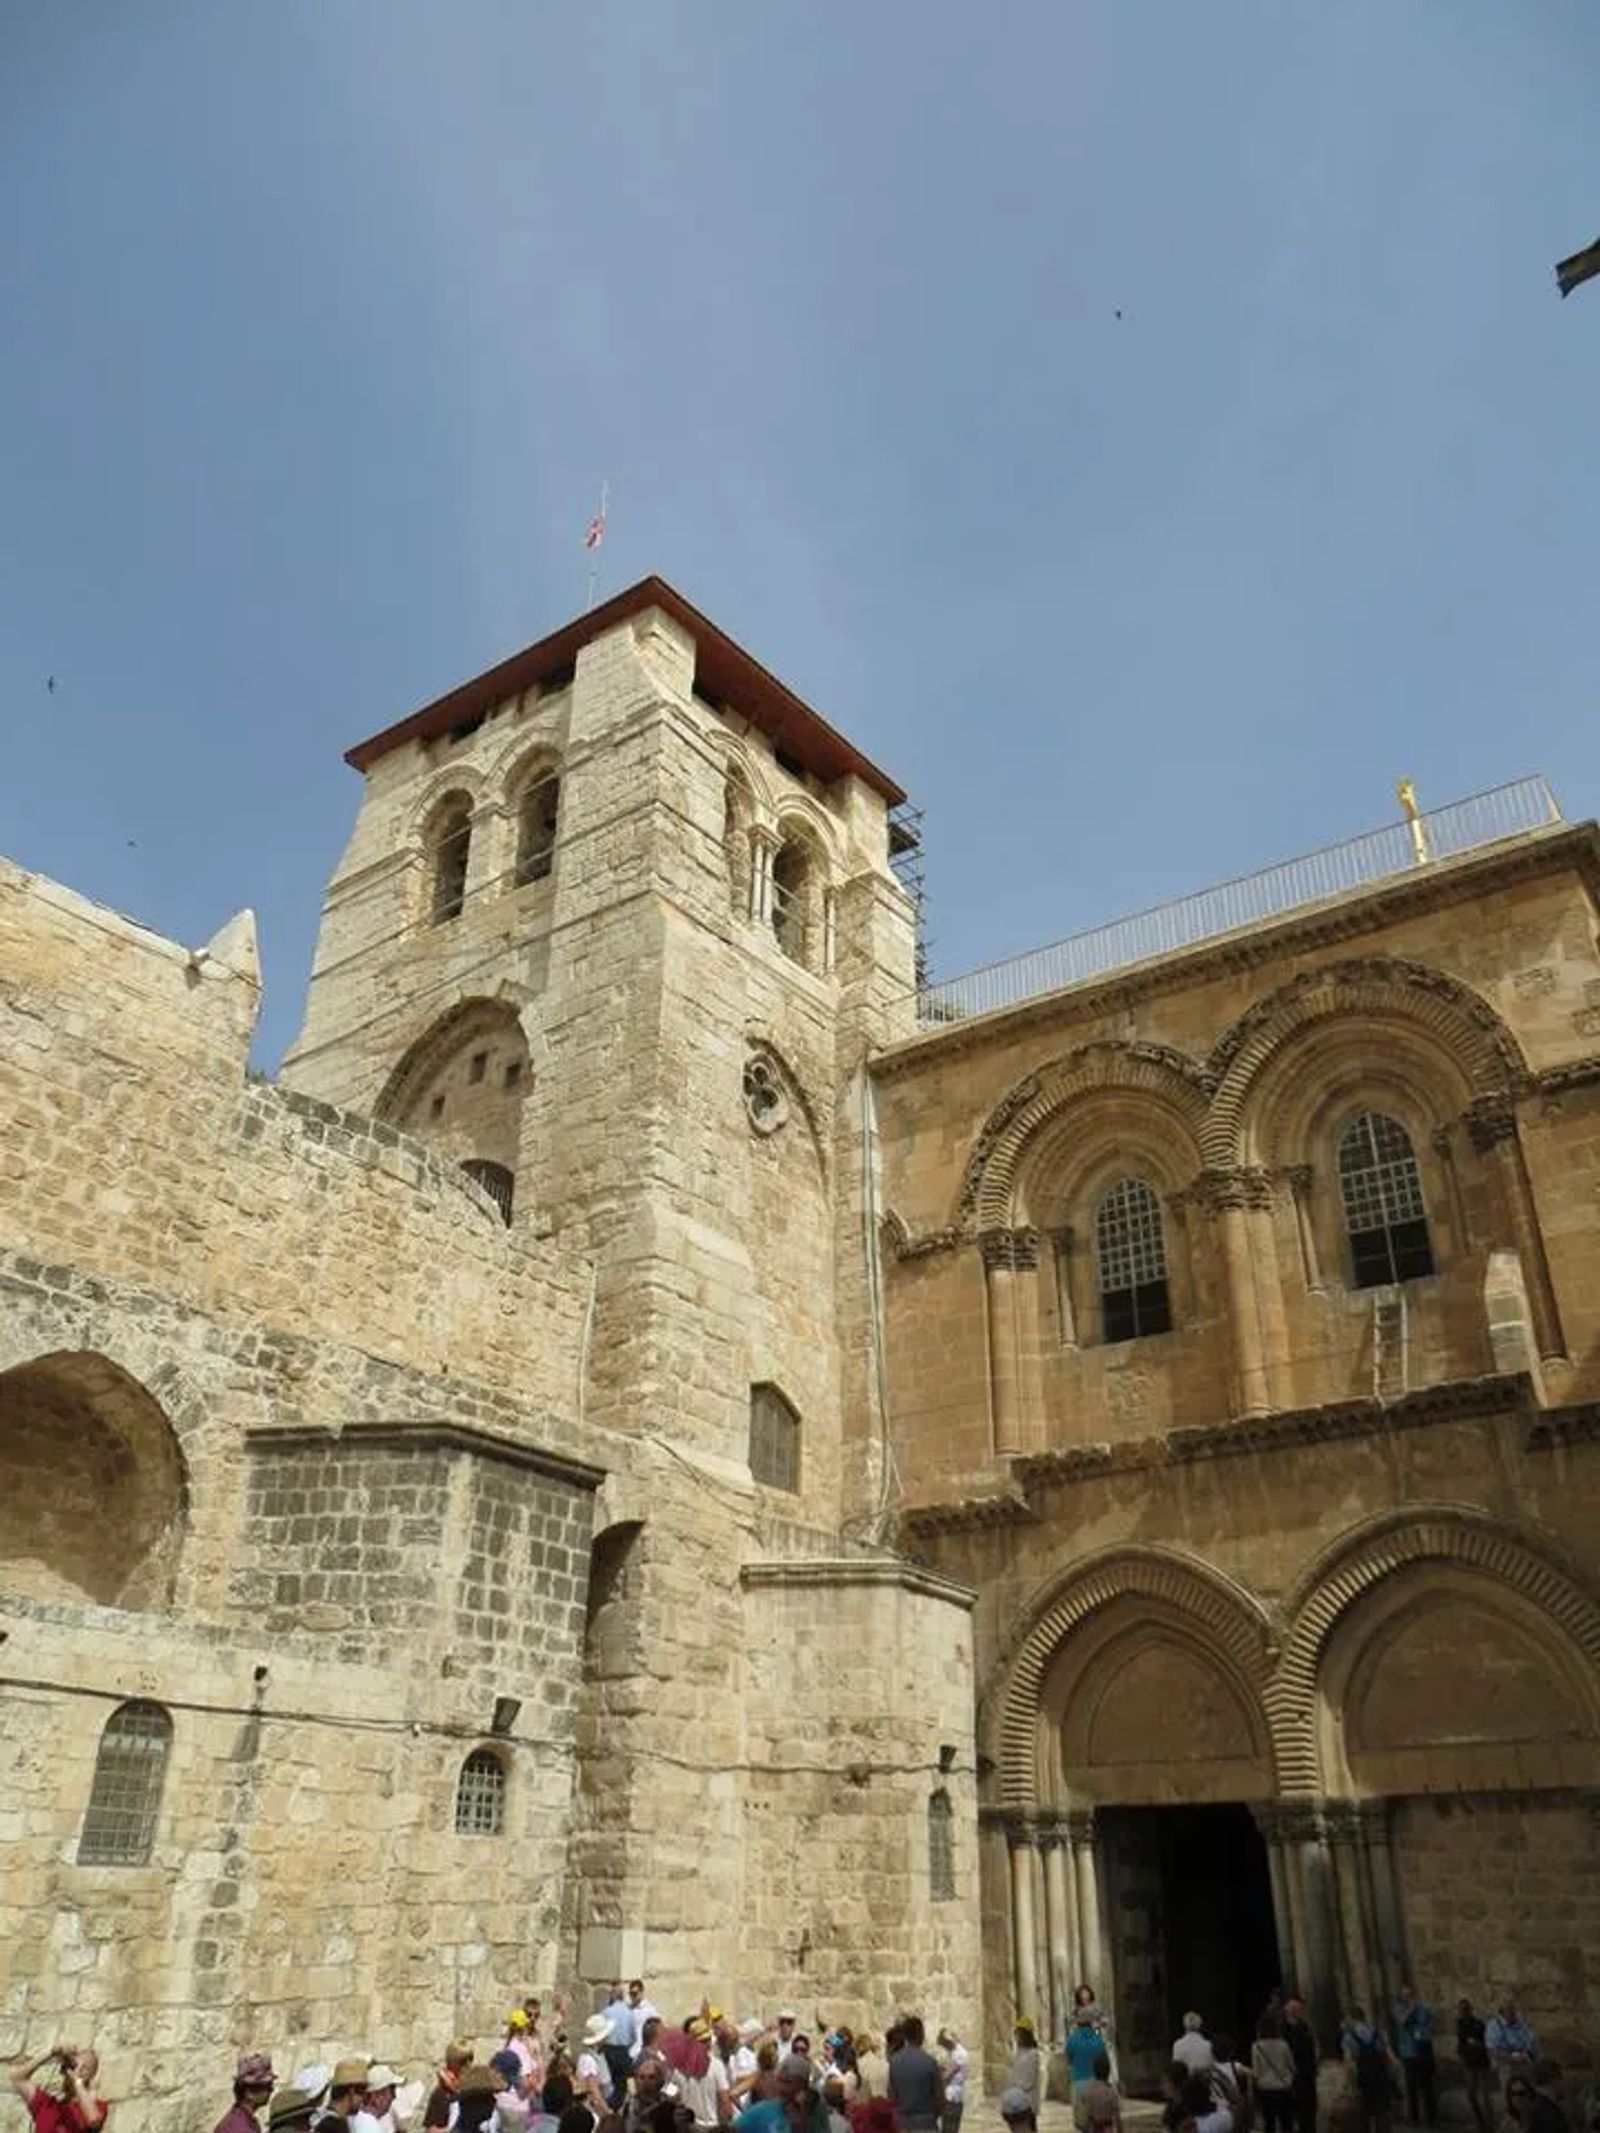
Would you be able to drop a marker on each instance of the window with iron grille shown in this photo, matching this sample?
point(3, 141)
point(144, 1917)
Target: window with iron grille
point(941, 1848)
point(1131, 1261)
point(481, 1795)
point(452, 847)
point(496, 1181)
point(774, 1439)
point(1384, 1215)
point(536, 830)
point(119, 1825)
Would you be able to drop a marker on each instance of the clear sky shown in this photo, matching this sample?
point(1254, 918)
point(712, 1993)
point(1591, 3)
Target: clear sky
point(1145, 428)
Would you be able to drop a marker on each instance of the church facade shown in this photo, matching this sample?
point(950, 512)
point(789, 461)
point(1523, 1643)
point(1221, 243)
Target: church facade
point(654, 1448)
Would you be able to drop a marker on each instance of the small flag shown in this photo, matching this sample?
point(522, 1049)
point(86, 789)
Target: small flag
point(595, 531)
point(1581, 267)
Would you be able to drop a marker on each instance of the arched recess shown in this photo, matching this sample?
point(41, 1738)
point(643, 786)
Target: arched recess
point(1385, 990)
point(1462, 1539)
point(1193, 1602)
point(1167, 1082)
point(533, 805)
point(462, 1085)
point(94, 1489)
point(800, 891)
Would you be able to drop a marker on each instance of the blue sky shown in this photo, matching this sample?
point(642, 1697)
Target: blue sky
point(321, 321)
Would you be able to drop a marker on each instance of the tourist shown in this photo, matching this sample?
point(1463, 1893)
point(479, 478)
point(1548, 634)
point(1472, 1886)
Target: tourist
point(1546, 2113)
point(783, 2025)
point(916, 2084)
point(523, 2044)
point(1085, 2043)
point(1301, 2040)
point(441, 2102)
point(1096, 2106)
point(1192, 2049)
point(1026, 2071)
point(872, 2067)
point(1272, 2073)
point(291, 2111)
point(554, 2101)
point(1196, 2108)
point(1086, 2010)
point(1372, 2067)
point(618, 2051)
point(512, 2109)
point(640, 2011)
point(1019, 2110)
point(347, 2089)
point(651, 2031)
point(796, 2108)
point(954, 2069)
point(649, 2088)
point(1230, 2082)
point(1413, 2036)
point(377, 2112)
point(475, 2098)
point(253, 2079)
point(741, 2060)
point(593, 2075)
point(71, 2106)
point(1472, 2050)
point(1518, 2102)
point(1512, 2043)
point(702, 2077)
point(834, 2097)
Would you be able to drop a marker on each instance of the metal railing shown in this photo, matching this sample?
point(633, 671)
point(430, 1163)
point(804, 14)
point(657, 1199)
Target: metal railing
point(1398, 848)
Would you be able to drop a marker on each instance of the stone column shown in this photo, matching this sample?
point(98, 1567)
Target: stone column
point(1358, 1973)
point(1492, 1124)
point(1237, 1201)
point(1061, 1922)
point(1010, 1274)
point(763, 848)
point(1312, 1922)
point(1389, 1934)
point(1268, 1818)
point(1024, 1963)
point(1298, 1179)
point(1094, 1966)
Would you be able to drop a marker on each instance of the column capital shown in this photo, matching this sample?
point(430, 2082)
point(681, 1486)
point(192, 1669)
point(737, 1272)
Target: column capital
point(1079, 1825)
point(1220, 1191)
point(1011, 1251)
point(1054, 1832)
point(1490, 1122)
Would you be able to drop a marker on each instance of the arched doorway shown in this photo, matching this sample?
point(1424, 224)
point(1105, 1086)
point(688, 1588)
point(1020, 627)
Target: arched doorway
point(1135, 1749)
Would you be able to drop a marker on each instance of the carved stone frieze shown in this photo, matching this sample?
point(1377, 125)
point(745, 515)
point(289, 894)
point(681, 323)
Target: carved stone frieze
point(1009, 1251)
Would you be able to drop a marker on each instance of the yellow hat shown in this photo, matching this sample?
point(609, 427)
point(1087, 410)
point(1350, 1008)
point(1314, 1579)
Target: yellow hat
point(517, 2019)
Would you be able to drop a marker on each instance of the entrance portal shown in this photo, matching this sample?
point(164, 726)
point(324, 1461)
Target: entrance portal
point(1190, 1909)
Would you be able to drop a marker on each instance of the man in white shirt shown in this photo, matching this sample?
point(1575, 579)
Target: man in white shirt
point(1192, 2050)
point(639, 2012)
point(954, 2060)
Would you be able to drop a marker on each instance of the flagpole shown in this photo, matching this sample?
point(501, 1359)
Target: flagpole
point(598, 529)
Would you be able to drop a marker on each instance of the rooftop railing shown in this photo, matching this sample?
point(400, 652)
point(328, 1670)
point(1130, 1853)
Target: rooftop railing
point(1398, 848)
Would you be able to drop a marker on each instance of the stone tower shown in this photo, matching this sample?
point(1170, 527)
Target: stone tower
point(614, 932)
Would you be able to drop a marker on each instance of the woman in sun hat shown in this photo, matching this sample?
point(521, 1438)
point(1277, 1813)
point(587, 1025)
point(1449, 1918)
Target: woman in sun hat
point(591, 2074)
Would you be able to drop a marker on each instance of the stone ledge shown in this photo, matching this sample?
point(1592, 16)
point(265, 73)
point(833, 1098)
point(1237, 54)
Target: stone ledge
point(427, 1437)
point(834, 1572)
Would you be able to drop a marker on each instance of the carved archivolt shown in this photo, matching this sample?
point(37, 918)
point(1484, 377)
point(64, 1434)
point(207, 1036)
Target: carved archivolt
point(1360, 1562)
point(478, 1017)
point(1158, 1070)
point(1212, 1099)
point(1225, 1615)
point(1464, 1025)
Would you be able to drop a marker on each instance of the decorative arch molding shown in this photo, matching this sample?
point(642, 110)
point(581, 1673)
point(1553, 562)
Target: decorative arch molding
point(1221, 1612)
point(1460, 1021)
point(531, 760)
point(1109, 1064)
point(1444, 1533)
point(742, 766)
point(798, 815)
point(423, 1057)
point(456, 781)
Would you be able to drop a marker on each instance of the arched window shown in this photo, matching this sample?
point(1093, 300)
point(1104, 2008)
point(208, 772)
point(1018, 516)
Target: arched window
point(1384, 1217)
point(774, 1439)
point(1131, 1260)
point(119, 1825)
point(496, 1181)
point(449, 850)
point(792, 897)
point(481, 1795)
point(537, 817)
point(941, 1847)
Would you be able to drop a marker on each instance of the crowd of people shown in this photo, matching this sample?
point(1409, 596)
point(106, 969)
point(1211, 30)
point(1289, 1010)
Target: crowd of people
point(1509, 2085)
point(626, 2069)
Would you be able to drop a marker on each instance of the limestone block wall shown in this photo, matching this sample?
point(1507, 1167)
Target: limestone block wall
point(1458, 1002)
point(858, 1713)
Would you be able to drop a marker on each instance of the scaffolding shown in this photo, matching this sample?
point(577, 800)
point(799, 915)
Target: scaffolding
point(905, 857)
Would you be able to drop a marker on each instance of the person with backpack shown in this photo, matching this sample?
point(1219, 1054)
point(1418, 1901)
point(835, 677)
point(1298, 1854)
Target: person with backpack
point(1413, 2031)
point(1372, 2068)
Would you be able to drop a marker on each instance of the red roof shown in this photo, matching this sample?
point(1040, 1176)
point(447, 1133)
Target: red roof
point(724, 672)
